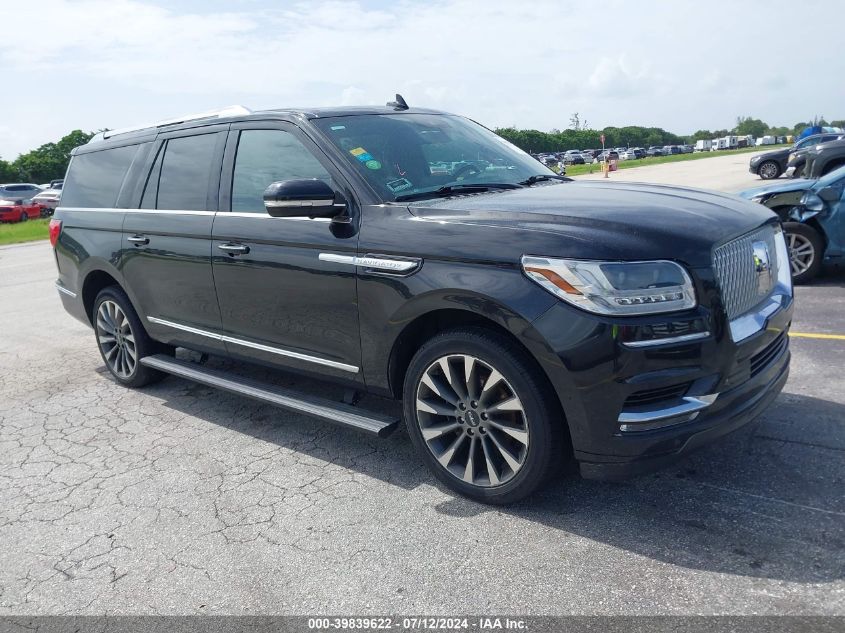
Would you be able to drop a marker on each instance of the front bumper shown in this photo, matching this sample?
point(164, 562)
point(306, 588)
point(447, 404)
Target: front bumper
point(697, 388)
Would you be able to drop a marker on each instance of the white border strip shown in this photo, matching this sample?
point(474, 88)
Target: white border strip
point(64, 290)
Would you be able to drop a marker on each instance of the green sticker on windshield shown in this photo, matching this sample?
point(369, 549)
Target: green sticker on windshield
point(373, 164)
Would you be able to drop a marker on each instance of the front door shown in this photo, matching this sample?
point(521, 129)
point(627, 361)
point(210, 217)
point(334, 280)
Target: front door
point(280, 302)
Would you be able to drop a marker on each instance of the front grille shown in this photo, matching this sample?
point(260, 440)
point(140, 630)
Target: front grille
point(650, 396)
point(741, 285)
point(772, 351)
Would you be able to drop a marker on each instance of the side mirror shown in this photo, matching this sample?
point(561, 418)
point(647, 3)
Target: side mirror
point(300, 198)
point(830, 194)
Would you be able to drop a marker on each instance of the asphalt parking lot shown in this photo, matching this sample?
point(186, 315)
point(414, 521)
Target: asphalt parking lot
point(181, 499)
point(727, 171)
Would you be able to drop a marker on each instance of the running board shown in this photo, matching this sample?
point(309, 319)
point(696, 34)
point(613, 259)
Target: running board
point(337, 412)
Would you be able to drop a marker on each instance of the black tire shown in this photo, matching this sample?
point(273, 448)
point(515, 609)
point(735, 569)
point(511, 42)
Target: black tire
point(544, 431)
point(24, 216)
point(798, 171)
point(802, 236)
point(769, 170)
point(139, 375)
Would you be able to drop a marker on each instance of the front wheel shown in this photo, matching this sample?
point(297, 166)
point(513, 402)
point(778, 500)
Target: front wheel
point(806, 249)
point(768, 170)
point(24, 216)
point(482, 418)
point(122, 340)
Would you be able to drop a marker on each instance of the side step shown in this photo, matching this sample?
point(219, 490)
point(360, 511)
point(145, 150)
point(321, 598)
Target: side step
point(375, 423)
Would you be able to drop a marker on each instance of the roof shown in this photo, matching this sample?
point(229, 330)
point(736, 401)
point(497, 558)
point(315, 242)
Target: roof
point(240, 113)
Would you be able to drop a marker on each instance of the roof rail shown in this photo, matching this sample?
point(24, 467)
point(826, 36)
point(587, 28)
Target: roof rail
point(233, 110)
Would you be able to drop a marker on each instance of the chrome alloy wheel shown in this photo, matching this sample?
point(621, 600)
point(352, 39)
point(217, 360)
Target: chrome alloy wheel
point(801, 253)
point(472, 420)
point(117, 343)
point(768, 170)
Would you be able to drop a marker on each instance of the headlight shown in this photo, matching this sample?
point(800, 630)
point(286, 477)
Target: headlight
point(9, 203)
point(614, 288)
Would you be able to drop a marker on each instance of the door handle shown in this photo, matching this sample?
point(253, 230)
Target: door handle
point(138, 240)
point(234, 249)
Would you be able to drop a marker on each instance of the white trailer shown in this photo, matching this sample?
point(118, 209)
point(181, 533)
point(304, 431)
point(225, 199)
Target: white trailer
point(702, 145)
point(719, 143)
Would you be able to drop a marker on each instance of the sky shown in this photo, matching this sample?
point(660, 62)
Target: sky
point(682, 65)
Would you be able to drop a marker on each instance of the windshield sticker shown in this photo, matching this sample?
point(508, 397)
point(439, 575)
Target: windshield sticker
point(363, 155)
point(335, 128)
point(400, 184)
point(373, 164)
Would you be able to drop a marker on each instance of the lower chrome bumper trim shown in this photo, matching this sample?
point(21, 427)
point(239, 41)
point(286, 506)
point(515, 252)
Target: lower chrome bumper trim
point(644, 419)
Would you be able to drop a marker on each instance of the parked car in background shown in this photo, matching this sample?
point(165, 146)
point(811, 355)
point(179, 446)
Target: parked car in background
point(16, 203)
point(670, 150)
point(48, 200)
point(813, 217)
point(825, 158)
point(23, 190)
point(628, 154)
point(608, 154)
point(654, 150)
point(686, 149)
point(587, 156)
point(573, 157)
point(772, 164)
point(798, 156)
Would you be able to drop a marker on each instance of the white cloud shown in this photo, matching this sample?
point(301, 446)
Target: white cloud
point(117, 62)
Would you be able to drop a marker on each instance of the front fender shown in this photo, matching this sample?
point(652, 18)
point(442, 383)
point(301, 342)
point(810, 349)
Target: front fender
point(388, 305)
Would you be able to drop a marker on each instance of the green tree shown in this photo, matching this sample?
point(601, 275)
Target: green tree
point(747, 125)
point(49, 161)
point(7, 172)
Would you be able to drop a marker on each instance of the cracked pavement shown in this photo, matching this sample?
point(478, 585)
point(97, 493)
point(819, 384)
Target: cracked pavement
point(179, 499)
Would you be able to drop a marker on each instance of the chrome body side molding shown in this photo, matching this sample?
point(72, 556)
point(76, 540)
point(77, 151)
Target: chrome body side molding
point(259, 346)
point(373, 262)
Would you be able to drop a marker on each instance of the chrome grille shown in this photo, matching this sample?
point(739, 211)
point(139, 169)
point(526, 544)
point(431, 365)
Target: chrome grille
point(741, 286)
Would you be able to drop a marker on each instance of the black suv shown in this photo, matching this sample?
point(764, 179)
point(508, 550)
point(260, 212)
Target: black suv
point(525, 321)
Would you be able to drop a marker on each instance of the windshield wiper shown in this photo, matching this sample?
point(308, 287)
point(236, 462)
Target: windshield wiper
point(454, 190)
point(541, 177)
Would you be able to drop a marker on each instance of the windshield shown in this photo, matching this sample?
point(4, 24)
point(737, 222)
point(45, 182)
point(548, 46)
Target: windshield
point(407, 154)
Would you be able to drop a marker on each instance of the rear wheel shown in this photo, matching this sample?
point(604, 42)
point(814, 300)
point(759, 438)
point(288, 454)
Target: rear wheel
point(768, 170)
point(481, 417)
point(806, 249)
point(122, 340)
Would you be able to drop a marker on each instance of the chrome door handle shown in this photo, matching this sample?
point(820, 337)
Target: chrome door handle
point(234, 249)
point(138, 239)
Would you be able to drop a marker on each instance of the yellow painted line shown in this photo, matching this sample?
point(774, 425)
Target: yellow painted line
point(834, 337)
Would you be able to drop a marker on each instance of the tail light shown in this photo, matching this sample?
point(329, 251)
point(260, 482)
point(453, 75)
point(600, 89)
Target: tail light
point(55, 231)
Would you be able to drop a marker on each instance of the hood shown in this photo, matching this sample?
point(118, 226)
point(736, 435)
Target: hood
point(778, 154)
point(600, 220)
point(798, 184)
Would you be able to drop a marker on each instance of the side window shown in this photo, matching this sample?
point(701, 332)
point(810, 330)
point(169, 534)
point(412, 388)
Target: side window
point(185, 173)
point(94, 179)
point(267, 156)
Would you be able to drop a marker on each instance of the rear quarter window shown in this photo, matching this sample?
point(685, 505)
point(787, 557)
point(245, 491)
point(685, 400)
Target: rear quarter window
point(95, 179)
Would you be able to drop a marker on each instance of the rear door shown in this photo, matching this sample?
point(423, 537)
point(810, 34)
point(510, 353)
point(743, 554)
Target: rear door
point(166, 254)
point(281, 302)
